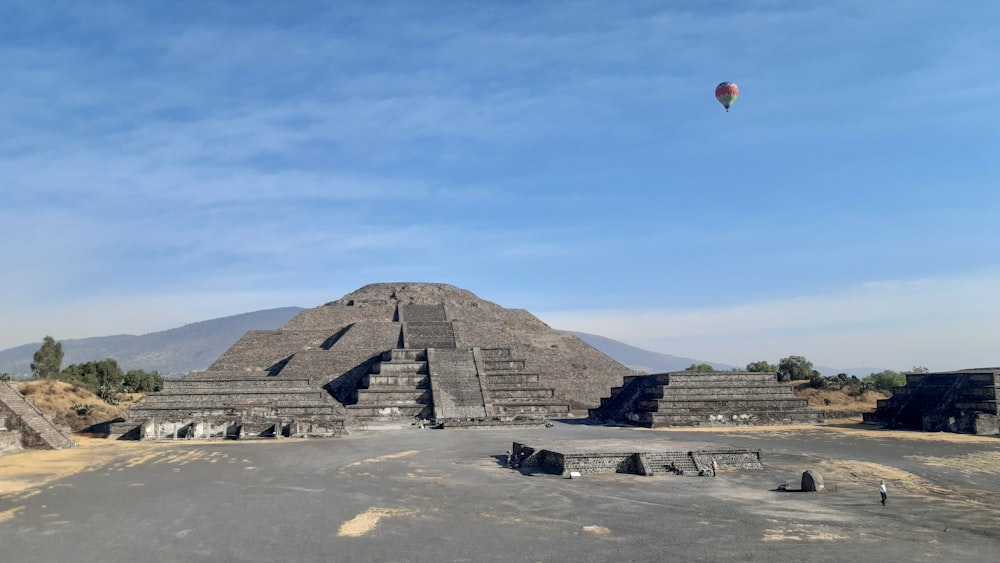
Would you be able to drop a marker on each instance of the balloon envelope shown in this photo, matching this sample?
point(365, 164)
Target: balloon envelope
point(726, 93)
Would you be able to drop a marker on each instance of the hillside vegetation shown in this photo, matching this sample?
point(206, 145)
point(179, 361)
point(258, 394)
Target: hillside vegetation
point(838, 403)
point(67, 403)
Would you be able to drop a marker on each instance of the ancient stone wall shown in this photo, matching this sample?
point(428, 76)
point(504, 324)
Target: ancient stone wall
point(962, 401)
point(10, 440)
point(267, 350)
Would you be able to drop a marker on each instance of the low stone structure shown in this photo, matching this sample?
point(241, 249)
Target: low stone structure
point(963, 401)
point(812, 481)
point(687, 398)
point(24, 426)
point(389, 352)
point(651, 457)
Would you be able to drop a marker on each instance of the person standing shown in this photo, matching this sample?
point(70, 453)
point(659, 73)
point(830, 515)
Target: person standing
point(881, 490)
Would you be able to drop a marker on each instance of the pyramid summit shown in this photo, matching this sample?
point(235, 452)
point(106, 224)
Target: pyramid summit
point(385, 352)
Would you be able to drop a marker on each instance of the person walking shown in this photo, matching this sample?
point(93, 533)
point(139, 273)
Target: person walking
point(881, 489)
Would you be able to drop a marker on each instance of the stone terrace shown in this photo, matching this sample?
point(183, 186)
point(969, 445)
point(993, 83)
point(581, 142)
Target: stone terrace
point(704, 399)
point(230, 406)
point(958, 401)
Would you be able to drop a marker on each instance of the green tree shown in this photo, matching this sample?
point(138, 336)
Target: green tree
point(104, 376)
point(887, 379)
point(699, 367)
point(6, 377)
point(761, 366)
point(139, 381)
point(795, 368)
point(48, 359)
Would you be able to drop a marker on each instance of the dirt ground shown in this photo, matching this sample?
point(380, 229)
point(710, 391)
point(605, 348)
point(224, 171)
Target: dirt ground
point(444, 495)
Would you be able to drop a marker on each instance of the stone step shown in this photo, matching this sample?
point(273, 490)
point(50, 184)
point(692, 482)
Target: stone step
point(229, 383)
point(715, 391)
point(521, 393)
point(508, 406)
point(713, 419)
point(734, 405)
point(510, 379)
point(668, 463)
point(382, 412)
point(984, 406)
point(252, 392)
point(418, 381)
point(400, 368)
point(726, 378)
point(207, 402)
point(405, 355)
point(393, 397)
point(494, 354)
point(234, 410)
point(503, 366)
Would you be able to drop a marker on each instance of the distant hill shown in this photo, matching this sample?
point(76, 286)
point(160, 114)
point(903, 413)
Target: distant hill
point(195, 346)
point(639, 359)
point(171, 352)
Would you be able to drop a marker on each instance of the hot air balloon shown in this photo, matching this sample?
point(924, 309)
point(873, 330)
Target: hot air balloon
point(726, 93)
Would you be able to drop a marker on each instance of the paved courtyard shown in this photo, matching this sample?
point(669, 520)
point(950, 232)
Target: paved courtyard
point(404, 494)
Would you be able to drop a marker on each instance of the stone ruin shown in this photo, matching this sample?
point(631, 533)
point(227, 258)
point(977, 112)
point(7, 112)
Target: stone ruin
point(651, 457)
point(962, 401)
point(686, 398)
point(386, 353)
point(22, 425)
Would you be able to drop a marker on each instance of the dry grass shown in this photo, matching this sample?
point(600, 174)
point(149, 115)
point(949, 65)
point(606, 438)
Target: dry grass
point(839, 401)
point(56, 399)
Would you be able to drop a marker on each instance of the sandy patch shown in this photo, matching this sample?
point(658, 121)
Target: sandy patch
point(801, 533)
point(31, 469)
point(980, 462)
point(367, 520)
point(8, 514)
point(384, 457)
point(597, 530)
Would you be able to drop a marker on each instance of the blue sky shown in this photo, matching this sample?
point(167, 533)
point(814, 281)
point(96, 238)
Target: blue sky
point(170, 162)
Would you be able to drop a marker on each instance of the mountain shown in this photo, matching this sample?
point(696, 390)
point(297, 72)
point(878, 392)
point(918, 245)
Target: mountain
point(195, 346)
point(639, 359)
point(171, 352)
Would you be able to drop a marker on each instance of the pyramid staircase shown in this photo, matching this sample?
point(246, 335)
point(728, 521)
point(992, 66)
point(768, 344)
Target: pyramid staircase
point(512, 390)
point(396, 388)
point(432, 378)
point(704, 399)
point(37, 431)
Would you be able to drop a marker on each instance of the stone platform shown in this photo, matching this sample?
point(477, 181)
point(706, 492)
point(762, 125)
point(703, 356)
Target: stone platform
point(650, 457)
point(688, 398)
point(963, 401)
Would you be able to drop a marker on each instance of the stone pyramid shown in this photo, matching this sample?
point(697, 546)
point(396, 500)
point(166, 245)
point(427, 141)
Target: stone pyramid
point(386, 352)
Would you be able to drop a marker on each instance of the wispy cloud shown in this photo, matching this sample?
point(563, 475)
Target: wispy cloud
point(892, 324)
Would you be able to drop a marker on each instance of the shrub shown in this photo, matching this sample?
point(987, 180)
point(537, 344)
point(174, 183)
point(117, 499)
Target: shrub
point(109, 394)
point(886, 380)
point(83, 409)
